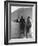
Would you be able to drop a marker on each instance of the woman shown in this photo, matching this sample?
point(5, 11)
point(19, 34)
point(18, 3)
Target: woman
point(28, 26)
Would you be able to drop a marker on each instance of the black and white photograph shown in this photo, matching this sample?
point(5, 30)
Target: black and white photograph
point(20, 22)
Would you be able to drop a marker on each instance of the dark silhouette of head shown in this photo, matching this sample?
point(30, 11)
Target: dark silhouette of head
point(28, 17)
point(22, 17)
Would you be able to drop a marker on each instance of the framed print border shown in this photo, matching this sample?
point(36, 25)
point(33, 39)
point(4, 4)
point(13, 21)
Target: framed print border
point(6, 21)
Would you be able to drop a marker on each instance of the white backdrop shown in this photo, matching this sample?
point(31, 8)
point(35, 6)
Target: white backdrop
point(2, 25)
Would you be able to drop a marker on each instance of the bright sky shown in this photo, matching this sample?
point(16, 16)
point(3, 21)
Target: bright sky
point(13, 8)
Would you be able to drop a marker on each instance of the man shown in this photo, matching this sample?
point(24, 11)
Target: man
point(22, 25)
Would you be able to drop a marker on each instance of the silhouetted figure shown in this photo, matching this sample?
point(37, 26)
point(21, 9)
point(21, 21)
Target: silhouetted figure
point(28, 26)
point(18, 19)
point(22, 25)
